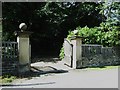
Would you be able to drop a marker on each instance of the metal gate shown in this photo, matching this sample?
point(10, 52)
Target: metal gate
point(68, 51)
point(9, 57)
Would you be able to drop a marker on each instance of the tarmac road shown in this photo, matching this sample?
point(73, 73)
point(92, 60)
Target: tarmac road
point(73, 79)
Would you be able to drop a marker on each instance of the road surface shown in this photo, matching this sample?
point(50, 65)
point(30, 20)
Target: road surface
point(72, 79)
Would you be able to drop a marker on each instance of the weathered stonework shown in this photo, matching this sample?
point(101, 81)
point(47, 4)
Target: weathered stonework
point(90, 55)
point(24, 51)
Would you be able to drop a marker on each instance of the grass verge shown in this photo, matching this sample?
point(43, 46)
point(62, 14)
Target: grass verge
point(103, 68)
point(6, 79)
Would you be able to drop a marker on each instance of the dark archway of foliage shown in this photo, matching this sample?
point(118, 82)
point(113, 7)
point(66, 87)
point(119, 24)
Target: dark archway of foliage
point(49, 21)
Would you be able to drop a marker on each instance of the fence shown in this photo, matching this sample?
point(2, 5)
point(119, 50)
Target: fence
point(97, 55)
point(9, 57)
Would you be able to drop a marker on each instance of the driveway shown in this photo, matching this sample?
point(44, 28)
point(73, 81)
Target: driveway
point(78, 78)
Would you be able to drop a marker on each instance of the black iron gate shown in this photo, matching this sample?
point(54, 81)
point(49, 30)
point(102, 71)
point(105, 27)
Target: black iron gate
point(9, 57)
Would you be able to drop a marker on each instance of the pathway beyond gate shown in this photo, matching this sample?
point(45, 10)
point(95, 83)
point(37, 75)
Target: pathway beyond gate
point(53, 63)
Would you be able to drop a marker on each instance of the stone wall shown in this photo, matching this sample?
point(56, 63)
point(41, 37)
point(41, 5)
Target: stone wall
point(98, 56)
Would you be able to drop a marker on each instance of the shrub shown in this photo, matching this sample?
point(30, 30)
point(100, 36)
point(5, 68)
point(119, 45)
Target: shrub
point(97, 35)
point(61, 55)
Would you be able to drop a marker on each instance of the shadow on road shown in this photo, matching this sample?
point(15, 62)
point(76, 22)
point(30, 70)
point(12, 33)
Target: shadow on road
point(36, 71)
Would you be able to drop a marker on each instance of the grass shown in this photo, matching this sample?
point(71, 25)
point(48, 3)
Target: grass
point(6, 79)
point(103, 68)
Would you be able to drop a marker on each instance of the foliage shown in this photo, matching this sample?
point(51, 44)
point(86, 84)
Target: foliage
point(7, 79)
point(108, 33)
point(111, 10)
point(106, 36)
point(98, 35)
point(57, 16)
point(61, 55)
point(110, 27)
point(49, 21)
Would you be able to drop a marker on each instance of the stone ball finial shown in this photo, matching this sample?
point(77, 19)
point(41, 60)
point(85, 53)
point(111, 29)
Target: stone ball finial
point(75, 32)
point(23, 26)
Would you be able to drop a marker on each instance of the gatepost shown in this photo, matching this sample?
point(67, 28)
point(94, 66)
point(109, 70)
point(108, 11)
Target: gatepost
point(24, 49)
point(77, 51)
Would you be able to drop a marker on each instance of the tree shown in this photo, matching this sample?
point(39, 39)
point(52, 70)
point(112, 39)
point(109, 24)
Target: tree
point(49, 21)
point(111, 10)
point(16, 13)
point(59, 17)
point(111, 26)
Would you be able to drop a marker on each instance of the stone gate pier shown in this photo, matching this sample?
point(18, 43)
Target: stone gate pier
point(24, 49)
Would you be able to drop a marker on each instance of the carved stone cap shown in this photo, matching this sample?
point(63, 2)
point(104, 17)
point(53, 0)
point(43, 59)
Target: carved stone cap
point(23, 34)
